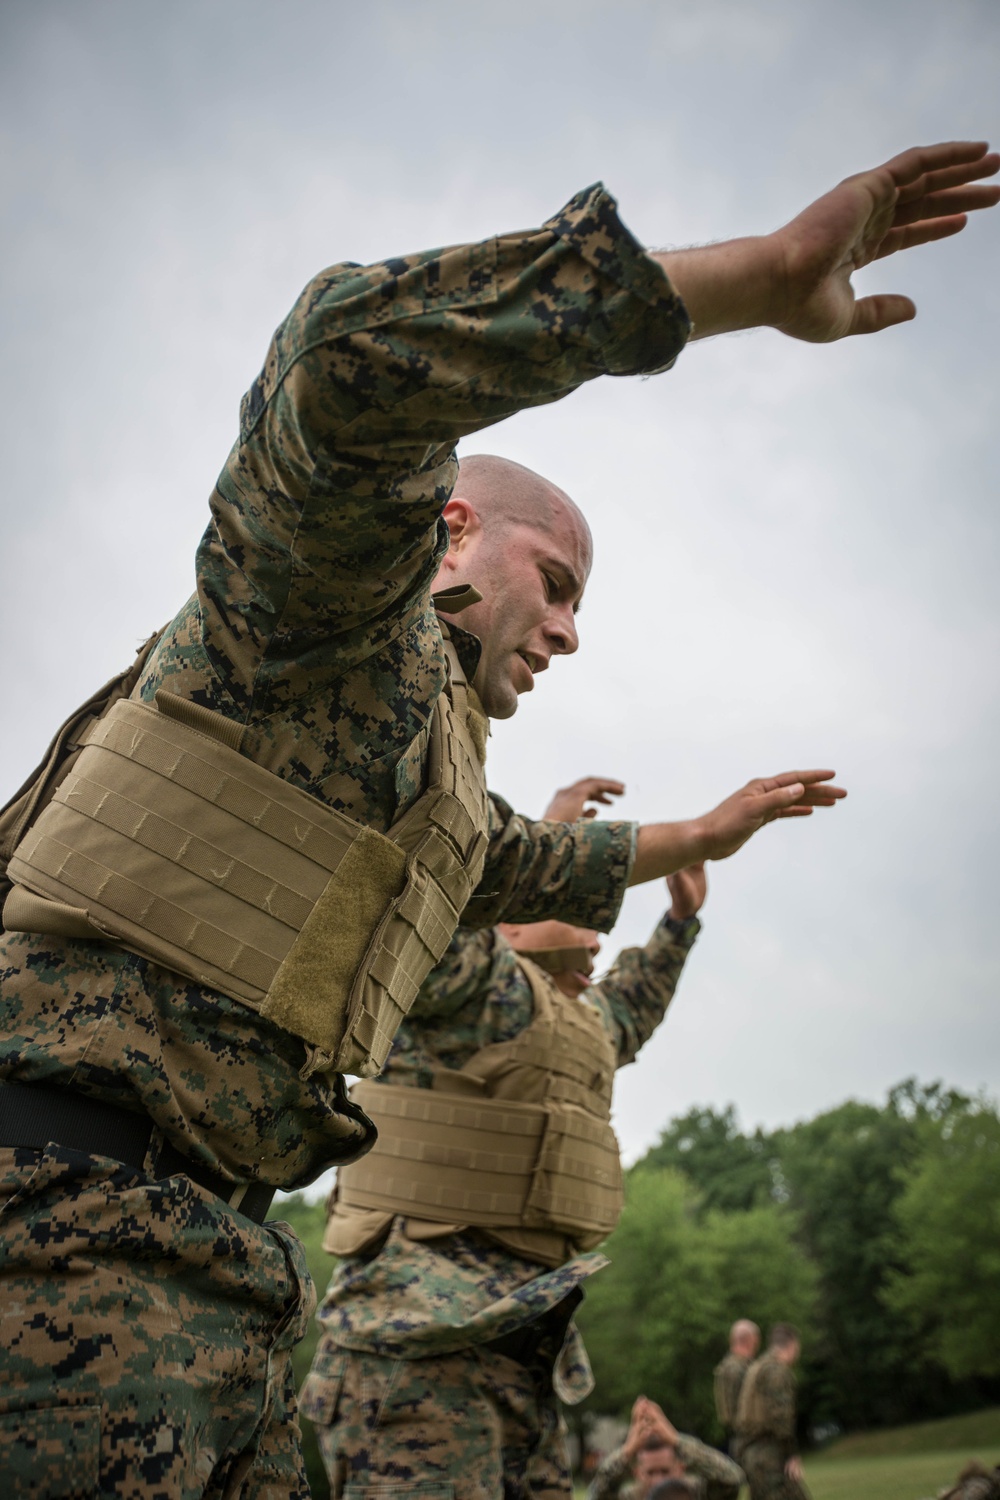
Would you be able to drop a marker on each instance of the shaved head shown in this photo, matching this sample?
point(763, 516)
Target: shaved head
point(526, 548)
point(506, 494)
point(744, 1337)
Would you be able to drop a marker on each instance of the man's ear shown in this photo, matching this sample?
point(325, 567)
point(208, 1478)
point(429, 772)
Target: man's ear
point(462, 521)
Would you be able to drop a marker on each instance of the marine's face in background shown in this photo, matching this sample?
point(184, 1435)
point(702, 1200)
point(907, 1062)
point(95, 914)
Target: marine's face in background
point(581, 944)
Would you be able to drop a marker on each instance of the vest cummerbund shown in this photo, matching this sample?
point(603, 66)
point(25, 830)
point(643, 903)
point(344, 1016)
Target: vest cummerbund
point(520, 1138)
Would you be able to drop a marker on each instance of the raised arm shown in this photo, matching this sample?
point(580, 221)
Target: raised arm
point(635, 994)
point(798, 279)
point(325, 518)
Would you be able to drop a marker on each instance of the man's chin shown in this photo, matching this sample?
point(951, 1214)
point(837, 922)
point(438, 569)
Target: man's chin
point(499, 699)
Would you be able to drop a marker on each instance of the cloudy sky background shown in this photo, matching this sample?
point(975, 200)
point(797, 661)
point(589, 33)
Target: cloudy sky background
point(797, 547)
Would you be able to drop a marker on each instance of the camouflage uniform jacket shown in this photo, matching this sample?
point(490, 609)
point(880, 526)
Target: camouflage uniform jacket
point(711, 1475)
point(423, 1295)
point(312, 626)
point(729, 1375)
point(766, 1411)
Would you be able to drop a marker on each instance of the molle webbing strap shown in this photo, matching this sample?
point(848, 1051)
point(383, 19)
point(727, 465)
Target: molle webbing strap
point(489, 1162)
point(226, 863)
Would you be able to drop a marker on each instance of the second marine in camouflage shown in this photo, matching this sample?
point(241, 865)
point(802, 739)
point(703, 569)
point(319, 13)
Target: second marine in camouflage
point(453, 1314)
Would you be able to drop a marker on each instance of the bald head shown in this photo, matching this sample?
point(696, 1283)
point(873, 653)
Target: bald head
point(744, 1338)
point(505, 494)
point(523, 544)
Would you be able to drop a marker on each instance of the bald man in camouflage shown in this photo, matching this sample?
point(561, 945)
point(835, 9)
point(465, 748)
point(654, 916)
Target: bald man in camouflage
point(240, 858)
point(729, 1374)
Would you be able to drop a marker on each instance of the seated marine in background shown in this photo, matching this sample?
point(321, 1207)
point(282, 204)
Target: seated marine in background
point(656, 1461)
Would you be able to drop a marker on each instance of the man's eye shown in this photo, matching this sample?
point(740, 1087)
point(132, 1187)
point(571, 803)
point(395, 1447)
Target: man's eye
point(551, 585)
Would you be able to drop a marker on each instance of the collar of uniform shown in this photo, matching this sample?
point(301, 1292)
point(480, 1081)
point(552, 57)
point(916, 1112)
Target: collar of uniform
point(468, 646)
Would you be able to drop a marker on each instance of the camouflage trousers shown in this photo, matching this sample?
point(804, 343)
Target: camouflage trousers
point(145, 1337)
point(476, 1425)
point(764, 1465)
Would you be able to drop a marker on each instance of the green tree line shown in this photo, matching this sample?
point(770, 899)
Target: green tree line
point(875, 1228)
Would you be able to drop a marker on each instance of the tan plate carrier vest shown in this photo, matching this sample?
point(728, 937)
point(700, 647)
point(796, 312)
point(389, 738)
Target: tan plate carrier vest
point(518, 1142)
point(146, 827)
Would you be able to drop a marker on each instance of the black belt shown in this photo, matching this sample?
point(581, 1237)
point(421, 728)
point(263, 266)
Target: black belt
point(34, 1115)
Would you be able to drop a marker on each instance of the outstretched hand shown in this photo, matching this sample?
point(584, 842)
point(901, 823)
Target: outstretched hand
point(921, 195)
point(793, 794)
point(569, 804)
point(798, 279)
point(665, 848)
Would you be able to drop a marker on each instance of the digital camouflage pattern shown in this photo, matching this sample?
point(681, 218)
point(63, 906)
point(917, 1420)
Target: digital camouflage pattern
point(728, 1377)
point(312, 627)
point(764, 1467)
point(478, 995)
point(765, 1430)
point(147, 1337)
point(767, 1404)
point(447, 1427)
point(422, 1293)
point(710, 1474)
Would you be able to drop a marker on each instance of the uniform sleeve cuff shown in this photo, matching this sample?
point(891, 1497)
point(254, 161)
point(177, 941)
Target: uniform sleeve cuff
point(649, 337)
point(602, 863)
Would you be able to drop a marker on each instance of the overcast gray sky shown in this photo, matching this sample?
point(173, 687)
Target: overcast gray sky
point(797, 548)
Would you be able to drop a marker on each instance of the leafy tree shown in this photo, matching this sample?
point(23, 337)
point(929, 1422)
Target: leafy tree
point(656, 1320)
point(732, 1171)
point(949, 1220)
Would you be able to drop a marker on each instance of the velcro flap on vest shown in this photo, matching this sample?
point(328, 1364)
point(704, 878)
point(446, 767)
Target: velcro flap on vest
point(577, 1182)
point(310, 994)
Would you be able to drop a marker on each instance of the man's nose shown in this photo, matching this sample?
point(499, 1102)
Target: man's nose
point(560, 629)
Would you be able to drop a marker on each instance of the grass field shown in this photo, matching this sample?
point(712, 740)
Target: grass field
point(904, 1463)
point(909, 1476)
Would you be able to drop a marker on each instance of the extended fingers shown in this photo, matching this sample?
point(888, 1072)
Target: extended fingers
point(936, 178)
point(918, 234)
point(787, 778)
point(596, 788)
point(946, 157)
point(946, 204)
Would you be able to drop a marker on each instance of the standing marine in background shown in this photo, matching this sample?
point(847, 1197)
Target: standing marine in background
point(766, 1421)
point(729, 1373)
